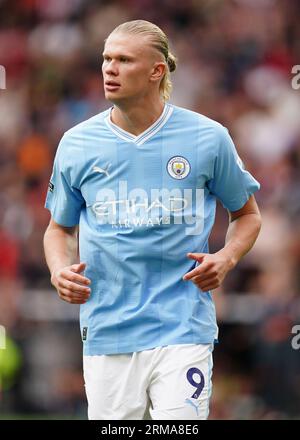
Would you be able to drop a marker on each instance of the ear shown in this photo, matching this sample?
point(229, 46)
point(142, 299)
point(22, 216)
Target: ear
point(158, 71)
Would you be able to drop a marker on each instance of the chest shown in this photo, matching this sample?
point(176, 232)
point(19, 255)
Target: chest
point(170, 165)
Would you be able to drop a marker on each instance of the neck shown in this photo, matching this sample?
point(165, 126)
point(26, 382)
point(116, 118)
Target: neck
point(138, 117)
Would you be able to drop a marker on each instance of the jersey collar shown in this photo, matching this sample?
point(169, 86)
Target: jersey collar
point(147, 134)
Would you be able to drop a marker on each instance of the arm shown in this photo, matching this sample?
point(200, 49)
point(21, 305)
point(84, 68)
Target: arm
point(243, 229)
point(61, 251)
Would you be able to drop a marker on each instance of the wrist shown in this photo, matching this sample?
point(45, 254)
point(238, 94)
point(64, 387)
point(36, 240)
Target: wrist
point(53, 277)
point(231, 260)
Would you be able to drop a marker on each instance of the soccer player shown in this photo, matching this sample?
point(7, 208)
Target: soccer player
point(132, 197)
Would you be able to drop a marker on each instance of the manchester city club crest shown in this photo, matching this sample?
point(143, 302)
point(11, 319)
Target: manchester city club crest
point(178, 167)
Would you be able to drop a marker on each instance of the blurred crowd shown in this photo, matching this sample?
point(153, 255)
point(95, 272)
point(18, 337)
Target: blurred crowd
point(235, 61)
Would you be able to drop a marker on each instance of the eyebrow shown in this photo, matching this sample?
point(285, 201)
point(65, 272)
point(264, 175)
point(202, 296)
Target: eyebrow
point(120, 55)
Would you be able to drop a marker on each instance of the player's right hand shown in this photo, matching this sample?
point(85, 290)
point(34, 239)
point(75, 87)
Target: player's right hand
point(70, 285)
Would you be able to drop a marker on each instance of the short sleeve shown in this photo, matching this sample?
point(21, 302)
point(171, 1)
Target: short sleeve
point(64, 200)
point(231, 183)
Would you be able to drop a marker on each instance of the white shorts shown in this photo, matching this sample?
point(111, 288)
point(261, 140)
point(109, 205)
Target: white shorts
point(172, 382)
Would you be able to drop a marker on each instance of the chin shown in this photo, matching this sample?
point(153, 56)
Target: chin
point(112, 96)
point(117, 99)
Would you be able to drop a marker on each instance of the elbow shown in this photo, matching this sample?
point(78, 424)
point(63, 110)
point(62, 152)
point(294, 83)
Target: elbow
point(45, 238)
point(257, 223)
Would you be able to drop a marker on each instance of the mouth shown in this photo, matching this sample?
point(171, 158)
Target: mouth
point(111, 85)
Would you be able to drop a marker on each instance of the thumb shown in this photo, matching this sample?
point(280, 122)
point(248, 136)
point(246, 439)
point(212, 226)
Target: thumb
point(78, 267)
point(196, 256)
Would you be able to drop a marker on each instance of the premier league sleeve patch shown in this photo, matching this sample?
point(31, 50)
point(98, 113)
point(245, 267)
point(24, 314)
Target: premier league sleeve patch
point(178, 167)
point(51, 186)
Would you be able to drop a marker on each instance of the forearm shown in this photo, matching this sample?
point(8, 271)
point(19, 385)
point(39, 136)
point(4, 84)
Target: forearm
point(61, 248)
point(240, 237)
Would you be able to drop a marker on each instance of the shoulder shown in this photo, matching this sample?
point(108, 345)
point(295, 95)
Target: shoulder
point(78, 135)
point(213, 137)
point(85, 127)
point(202, 121)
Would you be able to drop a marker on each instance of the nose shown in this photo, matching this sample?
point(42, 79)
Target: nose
point(110, 68)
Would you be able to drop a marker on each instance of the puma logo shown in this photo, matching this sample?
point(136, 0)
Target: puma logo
point(102, 170)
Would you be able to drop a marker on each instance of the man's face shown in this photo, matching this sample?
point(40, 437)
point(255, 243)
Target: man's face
point(128, 66)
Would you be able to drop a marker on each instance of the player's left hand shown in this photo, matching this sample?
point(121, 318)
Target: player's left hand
point(211, 271)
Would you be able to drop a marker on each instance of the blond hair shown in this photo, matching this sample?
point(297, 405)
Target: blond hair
point(160, 42)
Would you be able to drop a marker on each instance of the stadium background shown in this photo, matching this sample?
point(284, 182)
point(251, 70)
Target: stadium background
point(235, 60)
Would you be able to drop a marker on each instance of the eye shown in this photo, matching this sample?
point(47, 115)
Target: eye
point(106, 58)
point(124, 59)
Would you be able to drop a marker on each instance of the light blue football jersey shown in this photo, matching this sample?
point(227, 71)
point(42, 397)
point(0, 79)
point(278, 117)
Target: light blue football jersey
point(142, 203)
